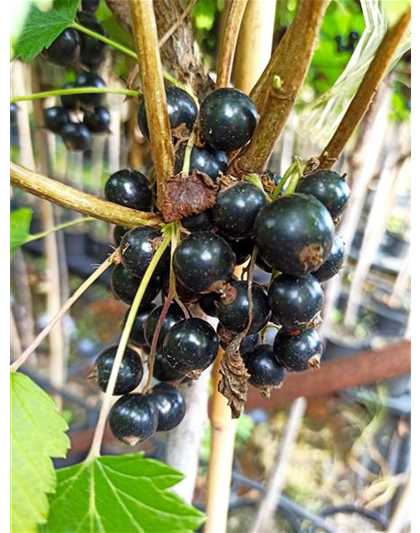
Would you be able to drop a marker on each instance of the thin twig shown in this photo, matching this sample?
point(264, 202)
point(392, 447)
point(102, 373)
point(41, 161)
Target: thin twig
point(178, 23)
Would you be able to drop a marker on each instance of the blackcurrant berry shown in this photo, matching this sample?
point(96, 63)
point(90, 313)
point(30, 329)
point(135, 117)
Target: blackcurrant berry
point(295, 302)
point(99, 120)
point(76, 137)
point(200, 222)
point(55, 118)
point(207, 160)
point(329, 188)
point(90, 79)
point(242, 248)
point(65, 50)
point(202, 261)
point(333, 263)
point(259, 261)
point(227, 119)
point(90, 5)
point(184, 294)
point(70, 101)
point(131, 189)
point(263, 368)
point(119, 232)
point(133, 418)
point(170, 406)
point(190, 345)
point(138, 247)
point(173, 316)
point(294, 234)
point(137, 331)
point(233, 307)
point(208, 302)
point(298, 352)
point(247, 344)
point(124, 286)
point(236, 209)
point(162, 370)
point(130, 372)
point(13, 114)
point(93, 51)
point(181, 110)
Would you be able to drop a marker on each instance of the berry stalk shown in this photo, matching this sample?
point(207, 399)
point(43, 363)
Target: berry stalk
point(81, 90)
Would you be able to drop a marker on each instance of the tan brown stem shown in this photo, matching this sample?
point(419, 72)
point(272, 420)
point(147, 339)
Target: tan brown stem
point(366, 92)
point(283, 79)
point(177, 24)
point(230, 38)
point(146, 41)
point(71, 198)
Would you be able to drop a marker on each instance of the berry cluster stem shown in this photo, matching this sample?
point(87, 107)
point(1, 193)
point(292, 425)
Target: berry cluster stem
point(64, 92)
point(187, 155)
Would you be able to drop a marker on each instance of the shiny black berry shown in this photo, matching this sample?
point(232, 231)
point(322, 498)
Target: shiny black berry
point(133, 418)
point(65, 50)
point(76, 137)
point(227, 119)
point(70, 101)
point(90, 79)
point(333, 263)
point(298, 352)
point(208, 302)
point(13, 114)
point(119, 232)
point(202, 261)
point(173, 316)
point(263, 367)
point(170, 406)
point(247, 344)
point(242, 248)
point(124, 286)
point(294, 234)
point(233, 307)
point(207, 160)
point(236, 209)
point(329, 188)
point(130, 372)
point(259, 261)
point(55, 118)
point(162, 370)
point(90, 5)
point(93, 51)
point(98, 121)
point(129, 188)
point(181, 110)
point(138, 247)
point(191, 345)
point(200, 222)
point(296, 302)
point(137, 331)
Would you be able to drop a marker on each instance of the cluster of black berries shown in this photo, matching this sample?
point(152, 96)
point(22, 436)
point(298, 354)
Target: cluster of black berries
point(293, 237)
point(352, 39)
point(80, 50)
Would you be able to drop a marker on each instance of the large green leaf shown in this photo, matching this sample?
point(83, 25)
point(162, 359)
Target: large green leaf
point(20, 221)
point(120, 494)
point(43, 27)
point(37, 434)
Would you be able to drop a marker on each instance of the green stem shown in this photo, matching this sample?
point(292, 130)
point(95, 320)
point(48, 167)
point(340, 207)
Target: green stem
point(283, 180)
point(63, 92)
point(294, 180)
point(187, 155)
point(58, 228)
point(255, 180)
point(106, 404)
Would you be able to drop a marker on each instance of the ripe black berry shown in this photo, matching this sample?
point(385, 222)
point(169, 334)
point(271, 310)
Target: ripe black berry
point(236, 209)
point(138, 247)
point(263, 368)
point(76, 137)
point(207, 160)
point(190, 345)
point(233, 307)
point(259, 261)
point(227, 119)
point(207, 303)
point(92, 51)
point(247, 344)
point(333, 263)
point(329, 188)
point(298, 352)
point(202, 261)
point(173, 316)
point(98, 121)
point(55, 118)
point(170, 406)
point(65, 50)
point(181, 110)
point(133, 418)
point(162, 370)
point(129, 188)
point(90, 5)
point(13, 114)
point(70, 101)
point(90, 79)
point(200, 222)
point(294, 234)
point(119, 232)
point(242, 248)
point(295, 302)
point(130, 372)
point(137, 331)
point(124, 286)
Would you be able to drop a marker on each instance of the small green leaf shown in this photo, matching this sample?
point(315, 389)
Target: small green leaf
point(43, 27)
point(20, 221)
point(37, 434)
point(115, 494)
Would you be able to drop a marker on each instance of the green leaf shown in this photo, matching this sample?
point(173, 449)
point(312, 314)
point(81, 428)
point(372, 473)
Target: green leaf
point(115, 494)
point(37, 434)
point(43, 27)
point(20, 221)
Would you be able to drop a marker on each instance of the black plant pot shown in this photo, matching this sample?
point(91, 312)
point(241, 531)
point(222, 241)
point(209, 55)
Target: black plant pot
point(98, 249)
point(337, 348)
point(76, 243)
point(387, 321)
point(394, 245)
